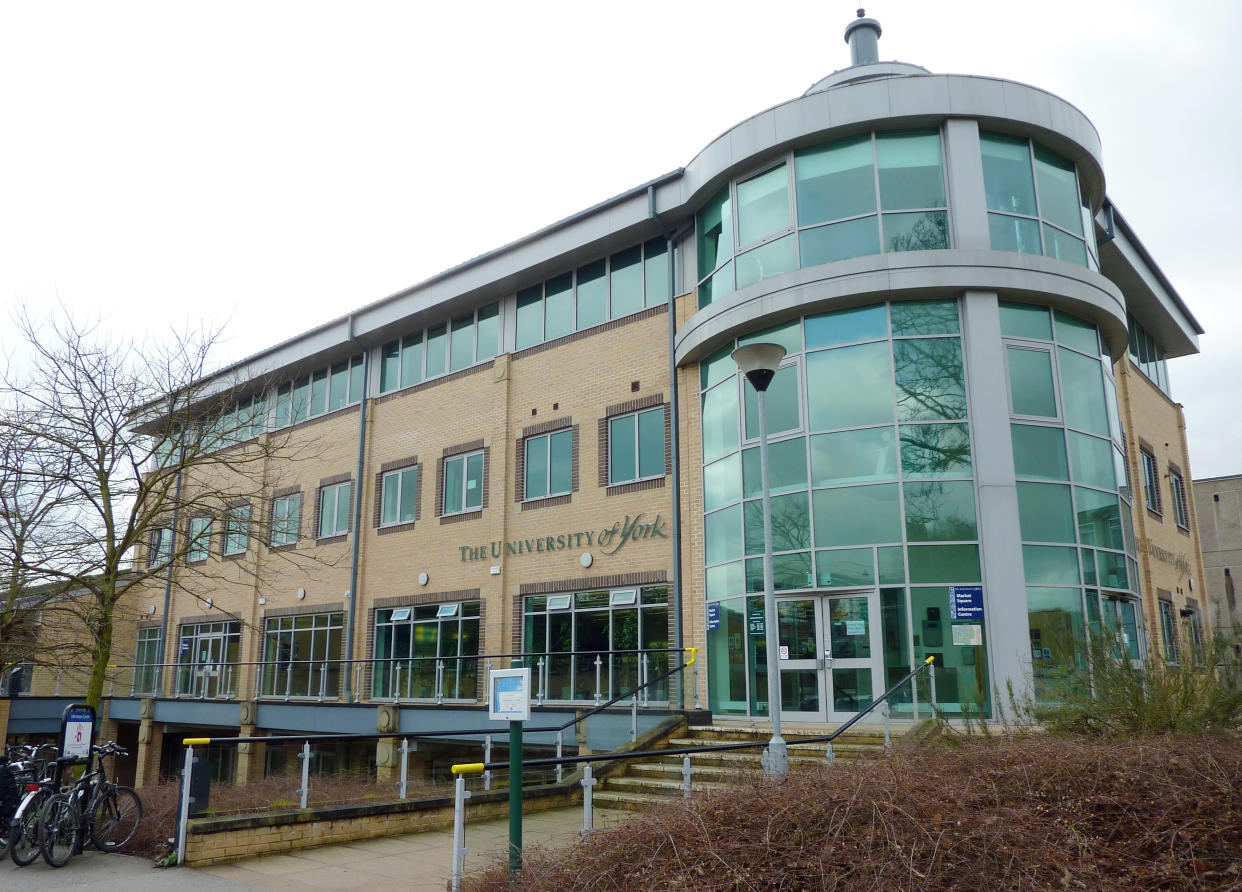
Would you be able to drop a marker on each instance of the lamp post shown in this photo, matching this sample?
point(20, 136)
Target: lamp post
point(758, 363)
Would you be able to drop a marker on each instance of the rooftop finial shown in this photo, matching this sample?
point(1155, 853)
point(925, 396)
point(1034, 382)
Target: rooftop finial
point(863, 36)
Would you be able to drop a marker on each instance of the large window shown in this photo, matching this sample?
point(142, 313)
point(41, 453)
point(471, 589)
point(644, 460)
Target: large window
point(549, 462)
point(335, 500)
point(207, 660)
point(146, 661)
point(237, 530)
point(636, 446)
point(199, 544)
point(324, 390)
point(463, 483)
point(159, 549)
point(1035, 202)
point(399, 496)
point(1146, 354)
point(1168, 630)
point(1151, 481)
point(427, 651)
point(301, 656)
point(866, 195)
point(626, 630)
point(1181, 510)
point(447, 347)
point(286, 519)
point(610, 288)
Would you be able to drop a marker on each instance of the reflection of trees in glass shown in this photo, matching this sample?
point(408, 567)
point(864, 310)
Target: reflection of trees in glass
point(940, 512)
point(933, 450)
point(929, 232)
point(791, 526)
point(930, 381)
point(924, 317)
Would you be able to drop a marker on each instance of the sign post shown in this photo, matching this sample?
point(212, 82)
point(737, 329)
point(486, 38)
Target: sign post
point(77, 732)
point(509, 700)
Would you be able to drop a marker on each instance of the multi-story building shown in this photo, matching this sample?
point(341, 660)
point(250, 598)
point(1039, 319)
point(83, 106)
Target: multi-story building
point(1218, 509)
point(548, 450)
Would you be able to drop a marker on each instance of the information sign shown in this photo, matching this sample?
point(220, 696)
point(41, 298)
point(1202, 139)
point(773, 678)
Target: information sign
point(968, 635)
point(510, 695)
point(854, 627)
point(713, 616)
point(757, 622)
point(77, 731)
point(966, 602)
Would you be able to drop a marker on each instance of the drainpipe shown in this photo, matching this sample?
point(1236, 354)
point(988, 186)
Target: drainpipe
point(351, 596)
point(670, 238)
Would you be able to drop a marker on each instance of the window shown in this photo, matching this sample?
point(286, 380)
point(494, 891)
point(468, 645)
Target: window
point(448, 347)
point(237, 530)
point(636, 446)
point(334, 503)
point(1181, 511)
point(286, 519)
point(146, 661)
point(463, 483)
point(549, 464)
point(16, 680)
point(200, 540)
point(301, 656)
point(1146, 355)
point(399, 496)
point(1194, 632)
point(159, 551)
point(1151, 481)
point(324, 390)
point(207, 659)
point(411, 641)
point(1168, 630)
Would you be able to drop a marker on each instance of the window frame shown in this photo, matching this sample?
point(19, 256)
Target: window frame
point(398, 474)
point(335, 489)
point(1181, 505)
point(387, 684)
point(1168, 631)
point(545, 440)
point(159, 547)
point(236, 541)
point(419, 339)
point(636, 414)
point(281, 536)
point(198, 544)
point(1151, 481)
point(463, 457)
point(146, 644)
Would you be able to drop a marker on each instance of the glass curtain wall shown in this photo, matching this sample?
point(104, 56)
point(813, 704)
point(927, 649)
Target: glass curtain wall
point(872, 487)
point(207, 659)
point(1073, 501)
point(872, 194)
point(619, 626)
point(411, 641)
point(301, 656)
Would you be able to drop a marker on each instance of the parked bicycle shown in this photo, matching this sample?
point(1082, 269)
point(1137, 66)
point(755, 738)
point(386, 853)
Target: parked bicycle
point(93, 807)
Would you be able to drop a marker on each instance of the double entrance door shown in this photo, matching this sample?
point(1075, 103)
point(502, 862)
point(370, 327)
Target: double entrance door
point(830, 653)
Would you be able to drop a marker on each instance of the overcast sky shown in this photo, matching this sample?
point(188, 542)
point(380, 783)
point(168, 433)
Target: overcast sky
point(274, 165)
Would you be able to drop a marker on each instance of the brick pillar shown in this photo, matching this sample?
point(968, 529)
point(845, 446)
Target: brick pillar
point(150, 746)
point(251, 757)
point(387, 760)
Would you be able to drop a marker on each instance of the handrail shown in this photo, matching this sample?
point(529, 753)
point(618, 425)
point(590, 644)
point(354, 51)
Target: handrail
point(477, 767)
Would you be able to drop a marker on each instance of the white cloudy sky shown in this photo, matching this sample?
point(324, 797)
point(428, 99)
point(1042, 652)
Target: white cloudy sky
point(276, 164)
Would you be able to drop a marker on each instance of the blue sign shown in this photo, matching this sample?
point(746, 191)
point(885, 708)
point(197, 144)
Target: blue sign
point(966, 602)
point(713, 616)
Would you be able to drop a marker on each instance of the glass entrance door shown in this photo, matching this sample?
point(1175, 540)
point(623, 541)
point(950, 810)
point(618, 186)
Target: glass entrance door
point(829, 648)
point(210, 658)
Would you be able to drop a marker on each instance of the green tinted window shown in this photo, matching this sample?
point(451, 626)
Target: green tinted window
point(857, 515)
point(717, 367)
point(944, 563)
point(558, 306)
point(868, 398)
point(720, 433)
point(775, 257)
point(1025, 321)
point(839, 241)
point(715, 232)
point(1058, 191)
point(930, 382)
point(788, 335)
point(909, 170)
point(1007, 179)
point(655, 272)
point(835, 181)
point(437, 350)
point(461, 343)
point(625, 282)
point(411, 359)
point(725, 580)
point(651, 443)
point(1030, 382)
point(892, 563)
point(935, 450)
point(781, 404)
point(592, 295)
point(722, 482)
point(1076, 333)
point(854, 456)
point(1049, 565)
point(925, 317)
point(763, 205)
point(1014, 234)
point(1039, 452)
point(925, 231)
point(622, 459)
point(846, 566)
point(1099, 518)
point(1092, 459)
point(940, 511)
point(791, 523)
point(1082, 389)
point(846, 327)
point(530, 317)
point(786, 468)
point(390, 375)
point(1045, 512)
point(722, 531)
point(1064, 247)
point(488, 332)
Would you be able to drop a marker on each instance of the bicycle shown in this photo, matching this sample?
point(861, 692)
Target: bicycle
point(24, 830)
point(92, 807)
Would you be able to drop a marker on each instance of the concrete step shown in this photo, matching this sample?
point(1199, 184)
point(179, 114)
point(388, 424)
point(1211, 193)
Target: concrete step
point(627, 801)
point(842, 748)
point(853, 735)
point(672, 770)
point(658, 786)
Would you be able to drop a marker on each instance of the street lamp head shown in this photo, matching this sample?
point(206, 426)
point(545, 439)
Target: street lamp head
point(759, 362)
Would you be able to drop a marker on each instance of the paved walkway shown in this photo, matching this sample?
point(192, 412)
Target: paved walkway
point(415, 862)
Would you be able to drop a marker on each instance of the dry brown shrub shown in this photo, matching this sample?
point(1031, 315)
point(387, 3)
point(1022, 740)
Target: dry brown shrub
point(1015, 813)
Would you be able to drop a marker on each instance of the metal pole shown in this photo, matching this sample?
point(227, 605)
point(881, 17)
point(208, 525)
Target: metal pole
point(357, 682)
point(560, 752)
point(634, 718)
point(931, 671)
point(288, 680)
point(487, 758)
point(323, 679)
point(543, 681)
point(831, 754)
point(778, 764)
point(305, 756)
point(460, 795)
point(686, 774)
point(439, 682)
point(643, 678)
point(588, 792)
point(487, 694)
point(187, 772)
point(888, 737)
point(698, 688)
point(405, 765)
point(598, 667)
point(515, 799)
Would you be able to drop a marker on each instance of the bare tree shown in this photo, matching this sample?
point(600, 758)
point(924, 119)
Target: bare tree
point(119, 443)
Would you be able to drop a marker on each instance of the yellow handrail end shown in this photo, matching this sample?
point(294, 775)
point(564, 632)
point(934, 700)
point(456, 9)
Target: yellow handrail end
point(195, 741)
point(468, 768)
point(929, 661)
point(694, 655)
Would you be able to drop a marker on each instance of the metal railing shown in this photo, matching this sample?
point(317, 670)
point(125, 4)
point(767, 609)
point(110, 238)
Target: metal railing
point(563, 677)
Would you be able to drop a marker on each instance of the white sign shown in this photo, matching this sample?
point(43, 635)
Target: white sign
point(784, 651)
point(510, 695)
point(855, 627)
point(968, 636)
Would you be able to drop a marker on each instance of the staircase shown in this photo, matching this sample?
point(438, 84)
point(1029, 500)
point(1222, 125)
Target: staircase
point(659, 779)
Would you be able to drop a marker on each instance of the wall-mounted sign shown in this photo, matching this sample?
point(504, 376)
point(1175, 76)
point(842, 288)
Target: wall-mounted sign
point(509, 699)
point(608, 540)
point(713, 616)
point(965, 602)
point(1179, 561)
point(756, 621)
point(968, 635)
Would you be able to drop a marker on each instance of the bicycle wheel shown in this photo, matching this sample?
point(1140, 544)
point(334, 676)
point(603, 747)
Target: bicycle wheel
point(115, 818)
point(24, 834)
point(59, 830)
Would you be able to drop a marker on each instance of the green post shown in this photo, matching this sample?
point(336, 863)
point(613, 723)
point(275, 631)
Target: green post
point(515, 799)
